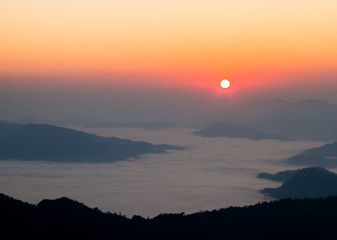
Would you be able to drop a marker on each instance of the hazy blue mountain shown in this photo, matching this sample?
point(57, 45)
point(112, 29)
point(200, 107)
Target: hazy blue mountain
point(46, 142)
point(7, 128)
point(64, 218)
point(104, 123)
point(324, 156)
point(226, 129)
point(145, 125)
point(278, 177)
point(307, 119)
point(313, 182)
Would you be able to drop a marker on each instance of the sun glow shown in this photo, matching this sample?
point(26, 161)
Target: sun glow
point(225, 83)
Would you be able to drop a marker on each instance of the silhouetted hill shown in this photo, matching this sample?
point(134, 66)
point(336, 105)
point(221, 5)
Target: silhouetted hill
point(324, 156)
point(46, 142)
point(278, 177)
point(55, 219)
point(226, 129)
point(68, 219)
point(313, 182)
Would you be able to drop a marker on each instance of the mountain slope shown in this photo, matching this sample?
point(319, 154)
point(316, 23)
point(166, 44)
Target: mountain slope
point(324, 156)
point(64, 218)
point(278, 177)
point(308, 119)
point(226, 129)
point(46, 142)
point(313, 182)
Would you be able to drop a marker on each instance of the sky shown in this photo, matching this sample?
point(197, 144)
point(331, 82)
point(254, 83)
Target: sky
point(59, 50)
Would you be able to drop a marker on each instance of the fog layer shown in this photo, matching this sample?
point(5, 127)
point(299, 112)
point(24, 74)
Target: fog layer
point(211, 173)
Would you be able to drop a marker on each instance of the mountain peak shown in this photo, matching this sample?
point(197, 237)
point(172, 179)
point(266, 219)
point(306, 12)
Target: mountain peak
point(312, 182)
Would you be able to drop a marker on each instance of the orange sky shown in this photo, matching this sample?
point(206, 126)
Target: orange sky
point(190, 42)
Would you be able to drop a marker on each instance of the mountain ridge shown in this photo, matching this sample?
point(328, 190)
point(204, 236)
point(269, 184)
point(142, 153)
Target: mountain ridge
point(311, 182)
point(323, 156)
point(47, 142)
point(226, 129)
point(69, 219)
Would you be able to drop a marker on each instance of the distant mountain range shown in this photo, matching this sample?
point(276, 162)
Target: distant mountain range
point(46, 142)
point(324, 156)
point(312, 182)
point(226, 129)
point(144, 125)
point(308, 119)
point(98, 123)
point(64, 218)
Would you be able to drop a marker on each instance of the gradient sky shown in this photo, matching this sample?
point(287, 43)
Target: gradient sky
point(261, 45)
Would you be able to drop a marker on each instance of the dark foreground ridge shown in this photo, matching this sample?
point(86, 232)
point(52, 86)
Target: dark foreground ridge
point(226, 129)
point(68, 219)
point(47, 142)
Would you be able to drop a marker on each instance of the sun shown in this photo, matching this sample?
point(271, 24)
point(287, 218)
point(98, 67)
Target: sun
point(225, 83)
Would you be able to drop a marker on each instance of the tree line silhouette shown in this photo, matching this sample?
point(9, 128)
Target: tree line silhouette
point(64, 218)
